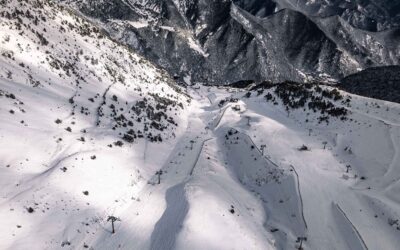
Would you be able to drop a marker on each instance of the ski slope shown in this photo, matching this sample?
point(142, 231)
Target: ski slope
point(219, 191)
point(225, 194)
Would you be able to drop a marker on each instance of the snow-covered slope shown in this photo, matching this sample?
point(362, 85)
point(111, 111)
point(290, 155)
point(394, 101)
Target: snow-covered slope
point(75, 109)
point(89, 130)
point(250, 173)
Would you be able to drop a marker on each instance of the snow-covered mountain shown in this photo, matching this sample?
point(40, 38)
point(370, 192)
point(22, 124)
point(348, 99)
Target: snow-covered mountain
point(226, 41)
point(96, 138)
point(78, 112)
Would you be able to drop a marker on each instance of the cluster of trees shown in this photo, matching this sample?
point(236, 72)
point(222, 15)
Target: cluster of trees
point(297, 95)
point(153, 117)
point(17, 15)
point(154, 113)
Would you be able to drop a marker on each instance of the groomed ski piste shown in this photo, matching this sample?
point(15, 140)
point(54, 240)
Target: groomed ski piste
point(217, 189)
point(220, 168)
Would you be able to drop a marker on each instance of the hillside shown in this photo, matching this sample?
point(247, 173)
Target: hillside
point(77, 113)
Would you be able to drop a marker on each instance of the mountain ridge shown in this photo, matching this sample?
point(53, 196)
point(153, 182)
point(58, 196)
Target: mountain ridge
point(200, 56)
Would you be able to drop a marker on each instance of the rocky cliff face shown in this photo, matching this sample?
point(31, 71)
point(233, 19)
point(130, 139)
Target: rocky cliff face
point(225, 41)
point(363, 14)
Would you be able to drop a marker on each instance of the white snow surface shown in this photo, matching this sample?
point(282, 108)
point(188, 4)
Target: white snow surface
point(231, 179)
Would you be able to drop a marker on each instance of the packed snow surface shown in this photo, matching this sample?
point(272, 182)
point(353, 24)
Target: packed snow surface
point(220, 187)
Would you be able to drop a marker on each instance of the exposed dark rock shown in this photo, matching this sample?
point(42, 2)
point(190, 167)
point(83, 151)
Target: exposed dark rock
point(220, 42)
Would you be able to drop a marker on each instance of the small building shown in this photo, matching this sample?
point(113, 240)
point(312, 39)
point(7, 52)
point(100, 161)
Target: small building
point(236, 107)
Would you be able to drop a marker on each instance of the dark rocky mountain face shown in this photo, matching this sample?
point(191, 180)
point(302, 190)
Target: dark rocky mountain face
point(379, 83)
point(368, 15)
point(223, 41)
point(258, 8)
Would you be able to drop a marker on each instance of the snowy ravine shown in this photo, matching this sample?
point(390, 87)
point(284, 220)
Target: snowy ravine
point(89, 129)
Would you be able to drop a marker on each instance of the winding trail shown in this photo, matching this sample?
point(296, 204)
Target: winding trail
point(395, 138)
point(269, 161)
point(352, 226)
point(220, 116)
point(300, 197)
point(169, 224)
point(198, 156)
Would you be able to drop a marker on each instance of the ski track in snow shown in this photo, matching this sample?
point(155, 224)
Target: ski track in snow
point(355, 231)
point(301, 198)
point(395, 138)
